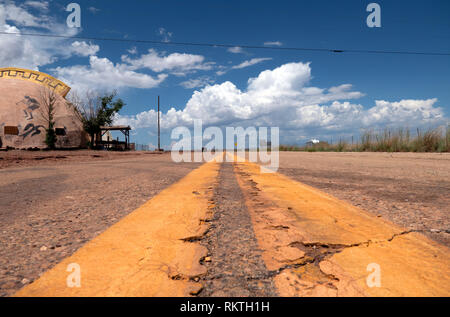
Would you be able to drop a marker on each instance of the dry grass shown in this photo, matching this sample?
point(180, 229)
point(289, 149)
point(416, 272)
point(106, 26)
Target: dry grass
point(400, 140)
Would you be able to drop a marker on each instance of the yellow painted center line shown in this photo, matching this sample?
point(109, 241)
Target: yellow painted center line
point(334, 248)
point(150, 252)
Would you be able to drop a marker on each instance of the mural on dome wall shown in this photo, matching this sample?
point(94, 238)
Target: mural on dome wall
point(21, 122)
point(32, 104)
point(27, 107)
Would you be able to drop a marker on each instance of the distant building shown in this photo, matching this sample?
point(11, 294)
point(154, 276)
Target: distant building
point(107, 136)
point(22, 124)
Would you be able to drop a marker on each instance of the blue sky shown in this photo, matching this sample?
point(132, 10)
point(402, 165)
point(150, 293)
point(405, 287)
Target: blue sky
point(386, 90)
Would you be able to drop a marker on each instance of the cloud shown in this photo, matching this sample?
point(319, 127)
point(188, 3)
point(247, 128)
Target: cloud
point(20, 16)
point(39, 5)
point(287, 78)
point(93, 10)
point(235, 50)
point(403, 112)
point(197, 82)
point(276, 43)
point(177, 63)
point(101, 73)
point(133, 50)
point(20, 52)
point(84, 49)
point(165, 35)
point(224, 69)
point(35, 52)
point(29, 51)
point(251, 62)
point(281, 97)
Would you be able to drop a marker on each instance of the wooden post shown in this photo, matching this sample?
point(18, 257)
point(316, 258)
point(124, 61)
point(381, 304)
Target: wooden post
point(159, 140)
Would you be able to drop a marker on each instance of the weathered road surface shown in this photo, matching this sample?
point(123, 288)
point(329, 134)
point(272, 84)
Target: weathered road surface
point(333, 244)
point(226, 229)
point(50, 210)
point(410, 189)
point(237, 268)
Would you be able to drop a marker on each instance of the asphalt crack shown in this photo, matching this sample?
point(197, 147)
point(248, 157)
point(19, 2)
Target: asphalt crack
point(234, 263)
point(311, 270)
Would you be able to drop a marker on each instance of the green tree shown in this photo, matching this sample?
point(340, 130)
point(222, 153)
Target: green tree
point(96, 111)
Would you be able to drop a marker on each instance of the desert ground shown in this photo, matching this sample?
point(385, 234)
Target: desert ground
point(54, 203)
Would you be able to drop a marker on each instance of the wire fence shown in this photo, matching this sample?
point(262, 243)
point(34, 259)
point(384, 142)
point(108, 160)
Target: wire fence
point(142, 147)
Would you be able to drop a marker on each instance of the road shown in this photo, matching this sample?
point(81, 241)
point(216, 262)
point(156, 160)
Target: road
point(411, 190)
point(217, 229)
point(52, 208)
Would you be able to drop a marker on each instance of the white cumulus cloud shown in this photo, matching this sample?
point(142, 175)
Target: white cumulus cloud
point(282, 97)
point(178, 63)
point(101, 73)
point(84, 49)
point(31, 52)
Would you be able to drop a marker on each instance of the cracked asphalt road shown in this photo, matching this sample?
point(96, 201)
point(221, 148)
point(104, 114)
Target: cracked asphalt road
point(236, 268)
point(51, 209)
point(409, 189)
point(219, 229)
point(323, 246)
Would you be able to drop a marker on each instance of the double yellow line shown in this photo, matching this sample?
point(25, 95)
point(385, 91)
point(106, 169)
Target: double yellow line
point(150, 252)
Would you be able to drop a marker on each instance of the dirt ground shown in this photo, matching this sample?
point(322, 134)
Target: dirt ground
point(409, 189)
point(22, 158)
point(50, 207)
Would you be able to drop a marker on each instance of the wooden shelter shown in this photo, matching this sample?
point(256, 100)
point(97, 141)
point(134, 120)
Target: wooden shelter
point(115, 144)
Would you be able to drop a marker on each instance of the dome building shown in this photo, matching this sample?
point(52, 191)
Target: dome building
point(22, 117)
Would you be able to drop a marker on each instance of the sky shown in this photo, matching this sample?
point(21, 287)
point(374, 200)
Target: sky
point(307, 94)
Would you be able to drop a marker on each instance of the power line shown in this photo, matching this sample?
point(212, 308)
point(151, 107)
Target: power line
point(360, 51)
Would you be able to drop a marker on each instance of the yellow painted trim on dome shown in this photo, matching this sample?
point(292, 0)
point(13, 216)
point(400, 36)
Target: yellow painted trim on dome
point(35, 77)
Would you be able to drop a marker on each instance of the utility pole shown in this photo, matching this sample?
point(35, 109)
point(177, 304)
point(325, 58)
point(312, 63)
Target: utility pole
point(159, 134)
